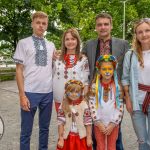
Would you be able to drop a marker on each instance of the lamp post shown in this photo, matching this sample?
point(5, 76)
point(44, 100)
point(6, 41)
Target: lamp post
point(124, 18)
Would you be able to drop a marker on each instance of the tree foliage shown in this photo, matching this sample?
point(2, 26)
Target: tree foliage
point(15, 17)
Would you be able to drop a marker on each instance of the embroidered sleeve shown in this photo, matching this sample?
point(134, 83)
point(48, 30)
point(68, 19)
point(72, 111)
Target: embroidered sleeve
point(118, 113)
point(87, 117)
point(93, 109)
point(85, 71)
point(61, 116)
point(19, 56)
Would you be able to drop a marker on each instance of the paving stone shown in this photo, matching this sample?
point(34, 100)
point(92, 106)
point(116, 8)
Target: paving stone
point(10, 112)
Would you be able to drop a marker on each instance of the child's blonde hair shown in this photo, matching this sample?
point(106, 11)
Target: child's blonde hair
point(70, 86)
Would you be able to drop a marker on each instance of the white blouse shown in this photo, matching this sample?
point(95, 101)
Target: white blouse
point(60, 76)
point(143, 74)
point(106, 111)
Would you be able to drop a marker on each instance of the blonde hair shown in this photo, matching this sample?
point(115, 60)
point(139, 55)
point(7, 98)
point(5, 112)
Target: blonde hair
point(66, 101)
point(136, 45)
point(76, 35)
point(39, 14)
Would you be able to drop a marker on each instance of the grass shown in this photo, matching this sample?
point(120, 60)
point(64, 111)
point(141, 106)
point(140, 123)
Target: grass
point(7, 74)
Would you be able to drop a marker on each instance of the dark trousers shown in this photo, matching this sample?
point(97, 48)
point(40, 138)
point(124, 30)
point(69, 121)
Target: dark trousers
point(119, 144)
point(44, 103)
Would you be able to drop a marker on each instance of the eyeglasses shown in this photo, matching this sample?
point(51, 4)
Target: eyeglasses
point(142, 20)
point(138, 22)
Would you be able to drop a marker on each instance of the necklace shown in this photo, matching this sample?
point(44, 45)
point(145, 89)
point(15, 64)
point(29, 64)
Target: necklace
point(106, 87)
point(70, 62)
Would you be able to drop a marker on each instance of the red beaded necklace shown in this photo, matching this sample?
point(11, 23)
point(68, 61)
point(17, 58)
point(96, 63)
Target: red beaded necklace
point(70, 60)
point(106, 85)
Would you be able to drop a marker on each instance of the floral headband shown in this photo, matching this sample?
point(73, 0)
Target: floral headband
point(105, 58)
point(74, 82)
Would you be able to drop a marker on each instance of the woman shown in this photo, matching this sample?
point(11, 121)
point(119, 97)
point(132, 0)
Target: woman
point(136, 69)
point(70, 65)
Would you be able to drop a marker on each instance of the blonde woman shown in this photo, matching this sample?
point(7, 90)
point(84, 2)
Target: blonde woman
point(136, 69)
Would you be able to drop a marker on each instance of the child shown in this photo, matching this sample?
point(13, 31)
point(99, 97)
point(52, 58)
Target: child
point(105, 104)
point(74, 119)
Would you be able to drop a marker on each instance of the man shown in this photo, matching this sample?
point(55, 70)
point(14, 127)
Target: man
point(105, 44)
point(33, 59)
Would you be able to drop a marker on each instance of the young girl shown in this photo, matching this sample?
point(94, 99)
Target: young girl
point(74, 119)
point(105, 103)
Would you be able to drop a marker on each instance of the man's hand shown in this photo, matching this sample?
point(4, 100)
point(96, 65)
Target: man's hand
point(109, 128)
point(24, 103)
point(60, 143)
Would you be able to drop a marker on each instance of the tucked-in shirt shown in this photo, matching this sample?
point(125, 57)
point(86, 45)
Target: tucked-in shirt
point(37, 79)
point(143, 73)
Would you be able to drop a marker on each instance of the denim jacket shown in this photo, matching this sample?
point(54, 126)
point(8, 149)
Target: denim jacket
point(130, 77)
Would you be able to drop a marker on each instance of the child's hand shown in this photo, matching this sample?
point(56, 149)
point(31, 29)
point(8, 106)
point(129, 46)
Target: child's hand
point(101, 127)
point(109, 128)
point(89, 141)
point(60, 143)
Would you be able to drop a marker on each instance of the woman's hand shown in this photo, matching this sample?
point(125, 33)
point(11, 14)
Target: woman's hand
point(129, 104)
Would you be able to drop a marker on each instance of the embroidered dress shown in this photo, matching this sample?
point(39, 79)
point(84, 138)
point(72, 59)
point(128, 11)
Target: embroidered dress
point(80, 71)
point(74, 126)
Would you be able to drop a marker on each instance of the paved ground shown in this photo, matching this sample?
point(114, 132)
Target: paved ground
point(9, 111)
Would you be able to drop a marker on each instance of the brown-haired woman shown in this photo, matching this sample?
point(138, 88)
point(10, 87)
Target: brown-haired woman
point(136, 84)
point(70, 65)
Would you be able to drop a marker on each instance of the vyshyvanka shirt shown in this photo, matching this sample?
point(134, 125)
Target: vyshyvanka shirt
point(35, 55)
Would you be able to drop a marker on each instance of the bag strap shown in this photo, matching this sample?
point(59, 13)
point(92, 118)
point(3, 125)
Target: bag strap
point(131, 60)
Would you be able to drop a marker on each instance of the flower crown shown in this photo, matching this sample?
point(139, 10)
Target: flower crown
point(105, 58)
point(74, 82)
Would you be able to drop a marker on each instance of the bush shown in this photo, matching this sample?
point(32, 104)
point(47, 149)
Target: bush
point(7, 74)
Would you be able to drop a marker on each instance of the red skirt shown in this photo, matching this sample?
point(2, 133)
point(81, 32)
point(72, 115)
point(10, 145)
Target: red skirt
point(73, 142)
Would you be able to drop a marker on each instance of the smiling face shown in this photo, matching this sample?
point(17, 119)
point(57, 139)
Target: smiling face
point(103, 28)
point(143, 33)
point(106, 71)
point(70, 42)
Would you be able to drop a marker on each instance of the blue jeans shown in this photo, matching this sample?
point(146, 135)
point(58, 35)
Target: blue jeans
point(119, 144)
point(44, 102)
point(141, 125)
